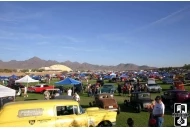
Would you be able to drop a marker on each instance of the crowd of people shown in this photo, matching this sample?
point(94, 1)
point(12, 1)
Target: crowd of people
point(129, 87)
point(48, 95)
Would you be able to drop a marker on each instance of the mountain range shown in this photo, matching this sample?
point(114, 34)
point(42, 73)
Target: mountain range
point(35, 63)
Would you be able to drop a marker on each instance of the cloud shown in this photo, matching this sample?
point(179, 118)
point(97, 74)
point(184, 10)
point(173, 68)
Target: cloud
point(14, 13)
point(84, 49)
point(172, 17)
point(9, 48)
point(72, 39)
point(42, 43)
point(17, 35)
point(129, 38)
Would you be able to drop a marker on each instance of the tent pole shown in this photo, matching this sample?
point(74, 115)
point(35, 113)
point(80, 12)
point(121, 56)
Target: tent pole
point(73, 89)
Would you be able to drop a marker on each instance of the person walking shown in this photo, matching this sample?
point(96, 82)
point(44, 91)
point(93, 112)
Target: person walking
point(158, 111)
point(124, 90)
point(69, 92)
point(25, 92)
point(119, 89)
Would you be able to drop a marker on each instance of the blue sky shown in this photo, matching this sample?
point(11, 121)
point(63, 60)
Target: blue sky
point(104, 33)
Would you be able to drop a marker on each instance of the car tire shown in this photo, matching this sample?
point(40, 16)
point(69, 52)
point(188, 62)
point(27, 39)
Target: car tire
point(105, 124)
point(138, 108)
point(159, 91)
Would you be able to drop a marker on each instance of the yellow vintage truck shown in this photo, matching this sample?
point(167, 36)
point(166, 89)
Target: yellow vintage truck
point(54, 113)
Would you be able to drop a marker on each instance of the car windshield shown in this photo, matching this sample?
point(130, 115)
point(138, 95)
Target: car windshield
point(107, 86)
point(151, 85)
point(144, 95)
point(38, 86)
point(106, 90)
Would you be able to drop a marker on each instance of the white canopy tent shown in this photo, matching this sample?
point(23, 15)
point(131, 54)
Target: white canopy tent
point(5, 91)
point(26, 79)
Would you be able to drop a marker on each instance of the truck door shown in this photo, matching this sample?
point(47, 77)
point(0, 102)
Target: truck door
point(81, 117)
point(64, 117)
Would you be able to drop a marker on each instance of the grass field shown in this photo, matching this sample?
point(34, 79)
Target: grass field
point(140, 119)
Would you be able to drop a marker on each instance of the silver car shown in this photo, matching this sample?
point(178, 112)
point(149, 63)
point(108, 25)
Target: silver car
point(154, 88)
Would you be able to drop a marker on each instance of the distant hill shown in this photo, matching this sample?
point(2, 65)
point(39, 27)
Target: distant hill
point(35, 63)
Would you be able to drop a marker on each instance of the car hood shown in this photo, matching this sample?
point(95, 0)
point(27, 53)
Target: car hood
point(108, 102)
point(101, 116)
point(154, 86)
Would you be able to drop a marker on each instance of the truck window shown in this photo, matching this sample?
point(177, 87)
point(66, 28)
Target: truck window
point(66, 110)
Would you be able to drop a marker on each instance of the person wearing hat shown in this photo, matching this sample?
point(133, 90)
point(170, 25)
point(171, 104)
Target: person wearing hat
point(158, 111)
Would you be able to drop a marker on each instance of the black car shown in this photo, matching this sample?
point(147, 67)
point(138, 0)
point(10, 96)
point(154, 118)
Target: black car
point(171, 97)
point(139, 101)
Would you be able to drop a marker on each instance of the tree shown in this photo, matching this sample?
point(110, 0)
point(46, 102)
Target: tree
point(186, 66)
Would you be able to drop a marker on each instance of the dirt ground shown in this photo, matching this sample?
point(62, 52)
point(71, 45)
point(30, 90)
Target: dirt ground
point(23, 74)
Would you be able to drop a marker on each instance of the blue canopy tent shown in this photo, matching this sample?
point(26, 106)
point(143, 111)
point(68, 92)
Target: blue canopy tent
point(13, 77)
point(82, 75)
point(68, 81)
point(124, 76)
point(3, 78)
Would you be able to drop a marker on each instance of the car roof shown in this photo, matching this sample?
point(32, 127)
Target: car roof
point(108, 85)
point(52, 89)
point(101, 94)
point(39, 103)
point(40, 84)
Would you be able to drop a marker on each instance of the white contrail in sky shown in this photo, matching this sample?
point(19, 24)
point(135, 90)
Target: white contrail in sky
point(161, 20)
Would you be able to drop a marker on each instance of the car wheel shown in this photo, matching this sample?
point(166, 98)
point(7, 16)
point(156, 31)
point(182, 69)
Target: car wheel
point(105, 124)
point(159, 91)
point(138, 108)
point(119, 110)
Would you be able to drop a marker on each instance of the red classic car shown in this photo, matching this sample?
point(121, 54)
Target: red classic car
point(40, 88)
point(175, 96)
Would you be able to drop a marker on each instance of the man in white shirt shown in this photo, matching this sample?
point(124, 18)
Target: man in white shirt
point(158, 111)
point(69, 92)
